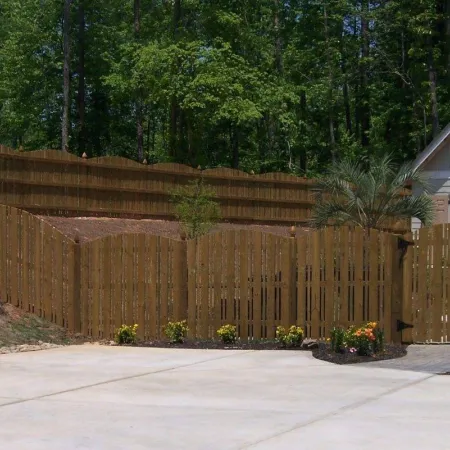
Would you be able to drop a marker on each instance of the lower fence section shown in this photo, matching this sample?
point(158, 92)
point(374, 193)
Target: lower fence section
point(254, 280)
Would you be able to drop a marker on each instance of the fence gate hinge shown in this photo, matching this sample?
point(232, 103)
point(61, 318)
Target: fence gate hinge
point(403, 326)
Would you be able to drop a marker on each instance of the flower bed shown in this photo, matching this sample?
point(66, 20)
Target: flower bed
point(357, 344)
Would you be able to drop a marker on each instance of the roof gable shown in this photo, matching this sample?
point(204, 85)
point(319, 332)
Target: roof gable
point(432, 149)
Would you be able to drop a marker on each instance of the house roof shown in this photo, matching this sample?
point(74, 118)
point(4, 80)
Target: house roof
point(433, 148)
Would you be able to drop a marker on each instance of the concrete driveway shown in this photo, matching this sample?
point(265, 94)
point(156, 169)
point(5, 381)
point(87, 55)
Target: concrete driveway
point(94, 397)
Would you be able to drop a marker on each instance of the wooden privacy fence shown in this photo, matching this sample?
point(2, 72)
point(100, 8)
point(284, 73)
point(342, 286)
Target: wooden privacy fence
point(254, 280)
point(52, 182)
point(427, 286)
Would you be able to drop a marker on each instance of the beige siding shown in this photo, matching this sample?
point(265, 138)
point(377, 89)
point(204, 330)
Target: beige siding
point(441, 160)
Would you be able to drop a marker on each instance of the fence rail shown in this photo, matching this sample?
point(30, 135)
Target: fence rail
point(254, 280)
point(57, 183)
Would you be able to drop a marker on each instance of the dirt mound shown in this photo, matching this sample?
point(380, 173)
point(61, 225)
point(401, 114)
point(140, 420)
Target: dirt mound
point(18, 327)
point(89, 228)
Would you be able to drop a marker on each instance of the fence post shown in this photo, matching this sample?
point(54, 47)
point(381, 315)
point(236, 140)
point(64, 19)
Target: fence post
point(399, 248)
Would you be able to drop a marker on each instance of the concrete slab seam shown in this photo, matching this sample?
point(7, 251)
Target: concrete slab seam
point(338, 411)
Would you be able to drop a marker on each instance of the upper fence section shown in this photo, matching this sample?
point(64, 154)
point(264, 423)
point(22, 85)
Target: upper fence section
point(52, 182)
point(57, 183)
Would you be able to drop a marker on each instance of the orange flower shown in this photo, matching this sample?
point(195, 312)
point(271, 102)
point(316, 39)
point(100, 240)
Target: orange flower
point(358, 333)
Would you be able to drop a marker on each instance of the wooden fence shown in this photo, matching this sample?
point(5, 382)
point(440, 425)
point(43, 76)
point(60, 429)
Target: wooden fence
point(52, 182)
point(254, 280)
point(427, 286)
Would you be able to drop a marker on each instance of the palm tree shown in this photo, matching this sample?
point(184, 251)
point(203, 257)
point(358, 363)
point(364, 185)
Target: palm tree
point(367, 195)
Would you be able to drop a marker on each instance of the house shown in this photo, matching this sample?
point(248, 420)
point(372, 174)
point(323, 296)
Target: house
point(434, 162)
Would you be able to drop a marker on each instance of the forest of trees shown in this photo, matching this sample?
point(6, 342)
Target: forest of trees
point(260, 85)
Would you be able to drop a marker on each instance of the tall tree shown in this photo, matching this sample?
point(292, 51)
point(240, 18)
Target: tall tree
point(66, 77)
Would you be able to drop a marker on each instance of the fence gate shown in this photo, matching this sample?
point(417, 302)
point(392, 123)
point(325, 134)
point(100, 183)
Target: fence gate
point(427, 286)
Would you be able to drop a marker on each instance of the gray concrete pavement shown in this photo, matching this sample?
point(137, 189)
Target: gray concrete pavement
point(420, 358)
point(94, 397)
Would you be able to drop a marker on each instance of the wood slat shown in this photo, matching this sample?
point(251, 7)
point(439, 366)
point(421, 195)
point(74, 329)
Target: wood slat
point(301, 281)
point(387, 305)
point(108, 330)
point(244, 277)
point(203, 246)
point(423, 283)
point(359, 267)
point(192, 286)
point(164, 261)
point(344, 277)
point(315, 285)
point(25, 275)
point(231, 276)
point(374, 262)
point(58, 277)
point(270, 274)
point(329, 316)
point(257, 285)
point(153, 299)
point(407, 313)
point(14, 246)
point(436, 286)
point(217, 279)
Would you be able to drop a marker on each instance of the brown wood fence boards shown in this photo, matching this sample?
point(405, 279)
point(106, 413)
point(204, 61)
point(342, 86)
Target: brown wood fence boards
point(57, 183)
point(426, 286)
point(254, 280)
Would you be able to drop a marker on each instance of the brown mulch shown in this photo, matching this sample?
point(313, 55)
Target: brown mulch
point(325, 353)
point(89, 228)
point(219, 345)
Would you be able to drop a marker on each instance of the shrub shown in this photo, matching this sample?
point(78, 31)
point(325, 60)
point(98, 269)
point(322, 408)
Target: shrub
point(196, 208)
point(338, 340)
point(228, 334)
point(126, 334)
point(290, 338)
point(176, 331)
point(365, 341)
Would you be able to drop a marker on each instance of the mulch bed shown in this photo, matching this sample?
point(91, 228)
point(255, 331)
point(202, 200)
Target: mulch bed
point(218, 345)
point(325, 353)
point(89, 228)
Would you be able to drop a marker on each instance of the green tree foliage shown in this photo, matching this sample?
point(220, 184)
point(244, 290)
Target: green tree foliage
point(196, 208)
point(260, 85)
point(368, 194)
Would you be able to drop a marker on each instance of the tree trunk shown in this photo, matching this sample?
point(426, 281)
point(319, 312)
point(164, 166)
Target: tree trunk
point(66, 77)
point(432, 77)
point(364, 99)
point(278, 39)
point(330, 86)
point(81, 97)
point(235, 146)
point(139, 108)
point(174, 109)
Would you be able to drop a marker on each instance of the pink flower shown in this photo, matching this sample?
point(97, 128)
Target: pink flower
point(352, 350)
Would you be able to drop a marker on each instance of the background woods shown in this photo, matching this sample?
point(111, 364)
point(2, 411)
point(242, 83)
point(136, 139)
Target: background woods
point(260, 85)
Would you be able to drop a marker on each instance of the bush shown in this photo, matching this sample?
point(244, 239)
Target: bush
point(126, 334)
point(196, 208)
point(228, 334)
point(176, 331)
point(290, 338)
point(365, 341)
point(338, 340)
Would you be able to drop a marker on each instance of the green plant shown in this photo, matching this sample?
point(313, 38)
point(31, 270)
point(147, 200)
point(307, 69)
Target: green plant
point(293, 337)
point(366, 340)
point(196, 208)
point(176, 331)
point(337, 340)
point(369, 193)
point(126, 334)
point(228, 334)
